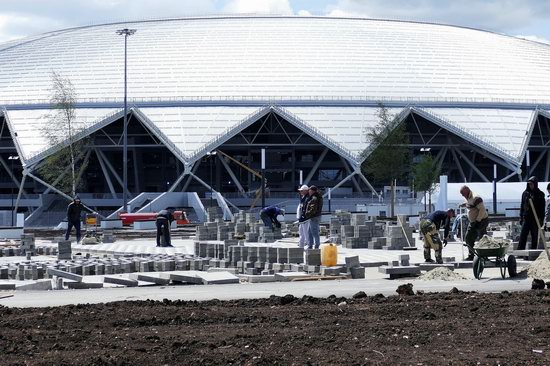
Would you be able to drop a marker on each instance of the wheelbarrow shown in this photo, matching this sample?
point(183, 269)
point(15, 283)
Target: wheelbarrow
point(496, 256)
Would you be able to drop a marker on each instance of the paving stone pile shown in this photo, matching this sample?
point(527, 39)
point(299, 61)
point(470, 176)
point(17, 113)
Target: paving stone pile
point(356, 231)
point(242, 226)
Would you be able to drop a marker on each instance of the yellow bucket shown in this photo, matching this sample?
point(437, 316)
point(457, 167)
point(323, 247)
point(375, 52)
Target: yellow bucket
point(329, 255)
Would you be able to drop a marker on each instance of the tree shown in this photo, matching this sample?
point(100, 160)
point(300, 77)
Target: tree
point(62, 129)
point(425, 175)
point(387, 155)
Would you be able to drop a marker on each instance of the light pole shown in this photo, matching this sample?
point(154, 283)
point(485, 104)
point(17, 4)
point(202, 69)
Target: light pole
point(12, 158)
point(125, 32)
point(211, 155)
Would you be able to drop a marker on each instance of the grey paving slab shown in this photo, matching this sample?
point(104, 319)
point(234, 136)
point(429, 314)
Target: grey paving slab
point(64, 274)
point(7, 286)
point(83, 285)
point(258, 278)
point(39, 285)
point(398, 270)
point(124, 281)
point(155, 278)
point(289, 276)
point(230, 270)
point(186, 276)
point(217, 278)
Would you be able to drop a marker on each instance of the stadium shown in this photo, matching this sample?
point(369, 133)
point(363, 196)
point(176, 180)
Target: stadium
point(206, 95)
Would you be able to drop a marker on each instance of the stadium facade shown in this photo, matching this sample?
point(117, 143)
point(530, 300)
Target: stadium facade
point(304, 88)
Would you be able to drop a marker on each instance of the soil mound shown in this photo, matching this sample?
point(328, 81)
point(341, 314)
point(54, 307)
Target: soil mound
point(441, 273)
point(540, 268)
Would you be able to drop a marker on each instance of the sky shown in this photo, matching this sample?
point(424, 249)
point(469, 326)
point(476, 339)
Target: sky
point(528, 19)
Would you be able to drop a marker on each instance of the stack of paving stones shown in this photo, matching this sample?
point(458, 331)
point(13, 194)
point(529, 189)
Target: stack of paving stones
point(338, 219)
point(27, 244)
point(212, 214)
point(400, 268)
point(398, 236)
point(266, 234)
point(108, 237)
point(64, 250)
point(354, 231)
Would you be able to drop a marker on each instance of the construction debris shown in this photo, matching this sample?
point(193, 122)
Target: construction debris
point(442, 274)
point(488, 242)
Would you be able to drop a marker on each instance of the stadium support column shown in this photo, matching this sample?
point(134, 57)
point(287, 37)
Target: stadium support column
point(125, 32)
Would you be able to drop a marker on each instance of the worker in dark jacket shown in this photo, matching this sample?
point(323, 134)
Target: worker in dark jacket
point(547, 216)
point(269, 216)
point(429, 227)
point(164, 219)
point(313, 213)
point(527, 216)
point(74, 211)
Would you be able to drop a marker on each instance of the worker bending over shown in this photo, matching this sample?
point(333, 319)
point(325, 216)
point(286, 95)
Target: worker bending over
point(164, 220)
point(269, 216)
point(429, 227)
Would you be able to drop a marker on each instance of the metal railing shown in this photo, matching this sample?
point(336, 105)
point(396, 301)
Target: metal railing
point(368, 100)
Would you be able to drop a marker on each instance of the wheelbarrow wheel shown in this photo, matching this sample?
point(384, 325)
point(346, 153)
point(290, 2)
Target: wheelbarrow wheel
point(512, 266)
point(502, 265)
point(478, 267)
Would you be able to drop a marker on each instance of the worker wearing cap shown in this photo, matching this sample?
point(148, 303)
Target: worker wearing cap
point(478, 217)
point(163, 221)
point(74, 211)
point(429, 227)
point(269, 216)
point(303, 224)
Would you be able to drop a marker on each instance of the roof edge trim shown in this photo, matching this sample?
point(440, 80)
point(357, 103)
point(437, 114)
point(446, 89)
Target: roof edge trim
point(228, 133)
point(104, 121)
point(460, 132)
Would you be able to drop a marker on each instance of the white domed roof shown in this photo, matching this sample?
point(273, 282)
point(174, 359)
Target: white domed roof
point(226, 58)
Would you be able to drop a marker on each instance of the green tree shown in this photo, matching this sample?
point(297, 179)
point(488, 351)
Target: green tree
point(387, 155)
point(425, 175)
point(62, 129)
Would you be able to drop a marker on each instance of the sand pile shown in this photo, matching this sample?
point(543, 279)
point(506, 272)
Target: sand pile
point(540, 268)
point(488, 242)
point(441, 273)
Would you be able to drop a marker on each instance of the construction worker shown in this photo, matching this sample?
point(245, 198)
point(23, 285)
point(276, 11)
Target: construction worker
point(303, 224)
point(164, 219)
point(527, 216)
point(478, 217)
point(269, 216)
point(429, 227)
point(313, 213)
point(74, 212)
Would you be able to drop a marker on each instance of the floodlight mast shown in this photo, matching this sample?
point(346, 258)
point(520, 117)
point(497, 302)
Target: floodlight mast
point(125, 32)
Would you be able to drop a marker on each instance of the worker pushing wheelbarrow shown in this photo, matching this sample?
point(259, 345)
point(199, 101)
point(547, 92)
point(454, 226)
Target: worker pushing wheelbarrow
point(493, 251)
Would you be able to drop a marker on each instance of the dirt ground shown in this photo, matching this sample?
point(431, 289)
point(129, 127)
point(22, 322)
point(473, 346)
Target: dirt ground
point(455, 328)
